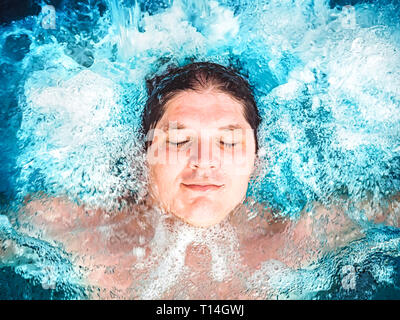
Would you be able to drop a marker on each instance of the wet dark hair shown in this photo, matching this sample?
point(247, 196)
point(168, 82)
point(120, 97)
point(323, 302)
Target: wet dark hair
point(197, 76)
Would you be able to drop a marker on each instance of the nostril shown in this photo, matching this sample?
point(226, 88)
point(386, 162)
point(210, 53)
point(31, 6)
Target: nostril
point(205, 158)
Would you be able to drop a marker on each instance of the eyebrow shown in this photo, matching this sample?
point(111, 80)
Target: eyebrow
point(180, 125)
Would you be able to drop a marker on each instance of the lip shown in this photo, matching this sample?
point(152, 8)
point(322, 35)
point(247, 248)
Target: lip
point(203, 188)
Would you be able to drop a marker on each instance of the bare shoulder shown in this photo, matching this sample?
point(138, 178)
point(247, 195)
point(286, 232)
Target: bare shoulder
point(261, 234)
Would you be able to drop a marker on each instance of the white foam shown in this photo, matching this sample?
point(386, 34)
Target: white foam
point(169, 246)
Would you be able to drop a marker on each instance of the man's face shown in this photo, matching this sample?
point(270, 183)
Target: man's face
point(201, 157)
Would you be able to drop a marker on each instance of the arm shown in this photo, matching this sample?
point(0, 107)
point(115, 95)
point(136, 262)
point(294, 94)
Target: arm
point(296, 243)
point(55, 217)
point(102, 243)
point(324, 229)
point(388, 215)
point(318, 231)
point(326, 225)
point(47, 217)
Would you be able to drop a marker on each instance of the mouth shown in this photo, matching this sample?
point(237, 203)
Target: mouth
point(202, 188)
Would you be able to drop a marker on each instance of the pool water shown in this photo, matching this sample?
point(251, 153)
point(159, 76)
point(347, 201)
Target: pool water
point(325, 76)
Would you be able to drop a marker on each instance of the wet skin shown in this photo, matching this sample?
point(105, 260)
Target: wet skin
point(102, 243)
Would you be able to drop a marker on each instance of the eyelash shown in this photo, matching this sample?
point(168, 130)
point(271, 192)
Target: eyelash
point(230, 145)
point(177, 144)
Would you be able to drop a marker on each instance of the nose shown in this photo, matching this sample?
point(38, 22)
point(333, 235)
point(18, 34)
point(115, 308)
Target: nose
point(203, 155)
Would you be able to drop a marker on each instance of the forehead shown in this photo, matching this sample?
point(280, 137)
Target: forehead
point(207, 109)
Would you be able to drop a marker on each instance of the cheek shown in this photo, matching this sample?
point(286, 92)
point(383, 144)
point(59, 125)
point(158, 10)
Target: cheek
point(240, 166)
point(165, 177)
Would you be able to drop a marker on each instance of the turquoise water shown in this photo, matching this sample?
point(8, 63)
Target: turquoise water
point(326, 76)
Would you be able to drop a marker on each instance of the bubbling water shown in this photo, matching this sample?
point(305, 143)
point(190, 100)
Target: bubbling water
point(166, 264)
point(326, 83)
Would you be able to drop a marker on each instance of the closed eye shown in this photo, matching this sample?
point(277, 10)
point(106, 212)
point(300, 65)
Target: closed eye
point(229, 145)
point(180, 143)
point(177, 144)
